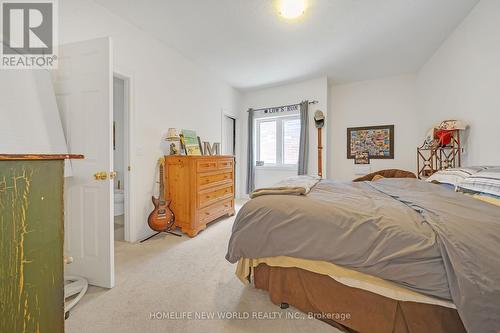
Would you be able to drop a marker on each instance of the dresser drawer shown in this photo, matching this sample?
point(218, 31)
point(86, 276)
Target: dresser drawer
point(212, 212)
point(211, 179)
point(212, 195)
point(206, 165)
point(225, 164)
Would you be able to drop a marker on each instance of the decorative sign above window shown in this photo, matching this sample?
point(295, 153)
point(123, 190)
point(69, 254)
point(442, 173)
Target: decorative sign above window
point(289, 108)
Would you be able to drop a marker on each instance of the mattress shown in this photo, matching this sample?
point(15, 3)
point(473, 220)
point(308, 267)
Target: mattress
point(342, 275)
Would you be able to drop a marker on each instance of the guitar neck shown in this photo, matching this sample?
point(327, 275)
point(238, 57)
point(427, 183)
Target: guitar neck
point(162, 185)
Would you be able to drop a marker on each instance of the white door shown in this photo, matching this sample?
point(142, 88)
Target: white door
point(83, 85)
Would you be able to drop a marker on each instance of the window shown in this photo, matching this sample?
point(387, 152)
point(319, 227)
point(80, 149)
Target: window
point(267, 141)
point(277, 141)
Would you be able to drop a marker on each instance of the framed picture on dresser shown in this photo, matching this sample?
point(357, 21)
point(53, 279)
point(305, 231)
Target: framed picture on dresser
point(191, 144)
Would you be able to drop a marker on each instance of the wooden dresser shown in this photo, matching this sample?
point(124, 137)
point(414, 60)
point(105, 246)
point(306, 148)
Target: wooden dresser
point(201, 189)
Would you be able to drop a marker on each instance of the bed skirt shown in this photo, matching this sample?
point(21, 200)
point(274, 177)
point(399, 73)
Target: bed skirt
point(351, 309)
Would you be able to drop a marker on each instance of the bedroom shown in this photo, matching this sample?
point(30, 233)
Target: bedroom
point(200, 66)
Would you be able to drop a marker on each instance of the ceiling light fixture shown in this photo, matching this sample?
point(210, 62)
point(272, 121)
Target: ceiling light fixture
point(291, 9)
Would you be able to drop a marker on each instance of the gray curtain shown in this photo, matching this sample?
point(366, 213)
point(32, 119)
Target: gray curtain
point(304, 138)
point(250, 155)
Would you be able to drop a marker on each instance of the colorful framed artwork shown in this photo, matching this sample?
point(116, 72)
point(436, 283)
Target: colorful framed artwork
point(377, 141)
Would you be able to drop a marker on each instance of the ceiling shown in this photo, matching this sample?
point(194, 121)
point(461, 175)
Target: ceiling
point(247, 44)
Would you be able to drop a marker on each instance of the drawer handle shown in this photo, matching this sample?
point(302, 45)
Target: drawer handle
point(208, 197)
point(207, 213)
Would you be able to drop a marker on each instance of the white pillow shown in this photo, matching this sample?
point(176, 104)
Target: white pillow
point(454, 176)
point(485, 181)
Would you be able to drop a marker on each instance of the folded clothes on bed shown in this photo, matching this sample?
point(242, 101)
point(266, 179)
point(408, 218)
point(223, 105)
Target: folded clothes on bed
point(298, 185)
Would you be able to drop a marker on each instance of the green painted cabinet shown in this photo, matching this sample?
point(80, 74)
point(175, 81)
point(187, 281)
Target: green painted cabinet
point(31, 245)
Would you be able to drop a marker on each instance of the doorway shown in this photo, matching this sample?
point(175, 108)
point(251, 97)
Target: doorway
point(228, 135)
point(121, 157)
point(228, 141)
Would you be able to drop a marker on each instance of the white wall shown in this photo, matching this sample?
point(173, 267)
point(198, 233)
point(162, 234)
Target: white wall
point(168, 91)
point(387, 101)
point(316, 89)
point(462, 80)
point(29, 119)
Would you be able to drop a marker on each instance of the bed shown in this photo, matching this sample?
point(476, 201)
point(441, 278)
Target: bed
point(397, 255)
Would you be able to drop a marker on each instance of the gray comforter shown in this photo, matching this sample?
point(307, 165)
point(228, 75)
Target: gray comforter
point(416, 234)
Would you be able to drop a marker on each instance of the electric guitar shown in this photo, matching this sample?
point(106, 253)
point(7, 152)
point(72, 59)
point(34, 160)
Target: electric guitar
point(161, 218)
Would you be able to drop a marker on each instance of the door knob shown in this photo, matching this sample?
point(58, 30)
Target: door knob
point(68, 259)
point(101, 175)
point(112, 175)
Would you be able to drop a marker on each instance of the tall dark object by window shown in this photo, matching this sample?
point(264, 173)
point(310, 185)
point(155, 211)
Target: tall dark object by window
point(304, 138)
point(250, 155)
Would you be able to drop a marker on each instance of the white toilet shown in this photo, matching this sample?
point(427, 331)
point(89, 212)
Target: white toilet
point(119, 202)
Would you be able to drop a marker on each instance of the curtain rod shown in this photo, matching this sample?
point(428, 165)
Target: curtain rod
point(282, 106)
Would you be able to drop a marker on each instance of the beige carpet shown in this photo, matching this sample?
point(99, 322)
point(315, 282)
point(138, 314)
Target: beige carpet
point(169, 274)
